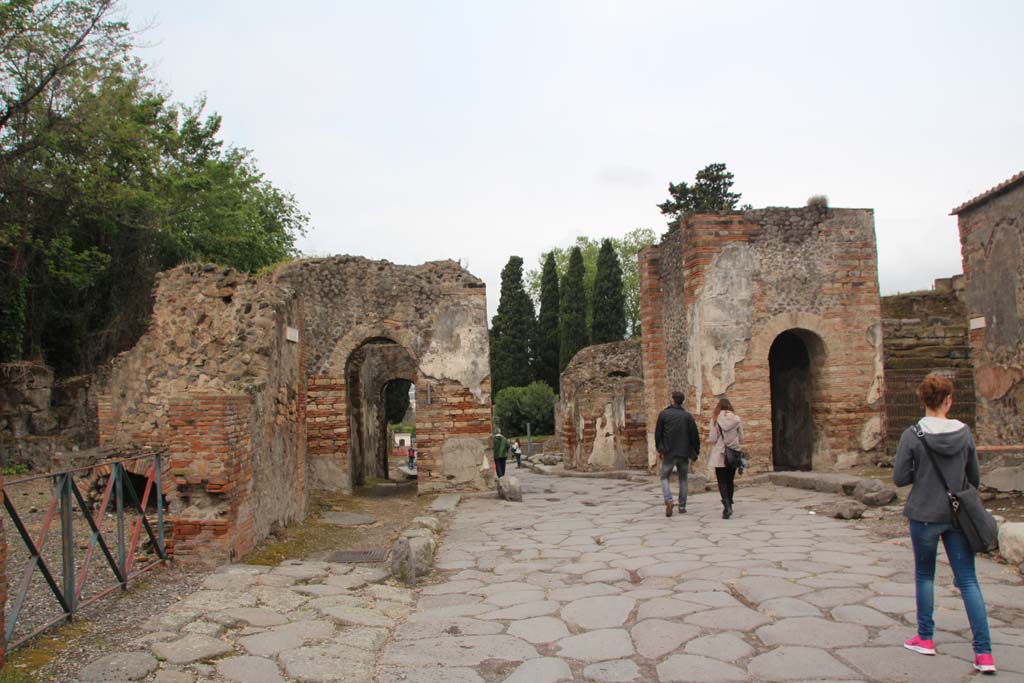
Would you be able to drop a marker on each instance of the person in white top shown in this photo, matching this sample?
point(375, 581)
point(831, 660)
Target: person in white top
point(725, 429)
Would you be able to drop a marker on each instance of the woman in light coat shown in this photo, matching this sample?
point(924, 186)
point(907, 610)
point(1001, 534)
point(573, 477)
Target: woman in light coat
point(725, 429)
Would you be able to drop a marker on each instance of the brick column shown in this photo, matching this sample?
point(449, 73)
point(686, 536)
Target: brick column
point(652, 341)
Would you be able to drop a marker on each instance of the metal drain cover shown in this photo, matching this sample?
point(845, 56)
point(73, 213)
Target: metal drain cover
point(365, 555)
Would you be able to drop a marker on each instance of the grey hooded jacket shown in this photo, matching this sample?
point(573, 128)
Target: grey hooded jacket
point(954, 453)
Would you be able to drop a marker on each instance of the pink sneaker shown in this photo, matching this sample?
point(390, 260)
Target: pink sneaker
point(984, 663)
point(925, 647)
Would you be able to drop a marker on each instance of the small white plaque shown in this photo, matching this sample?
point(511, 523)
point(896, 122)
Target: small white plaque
point(978, 323)
point(291, 334)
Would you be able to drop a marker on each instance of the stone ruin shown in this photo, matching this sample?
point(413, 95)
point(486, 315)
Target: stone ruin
point(601, 408)
point(263, 389)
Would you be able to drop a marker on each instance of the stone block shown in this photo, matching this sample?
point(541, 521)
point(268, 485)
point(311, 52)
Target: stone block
point(509, 488)
point(1011, 542)
point(412, 557)
point(846, 509)
point(1006, 479)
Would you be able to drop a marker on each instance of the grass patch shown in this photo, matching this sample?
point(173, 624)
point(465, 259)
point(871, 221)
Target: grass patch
point(23, 663)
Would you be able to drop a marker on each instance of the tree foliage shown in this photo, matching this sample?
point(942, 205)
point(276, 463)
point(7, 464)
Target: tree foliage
point(572, 317)
point(514, 407)
point(710, 192)
point(627, 247)
point(104, 182)
point(609, 302)
point(546, 352)
point(396, 400)
point(512, 331)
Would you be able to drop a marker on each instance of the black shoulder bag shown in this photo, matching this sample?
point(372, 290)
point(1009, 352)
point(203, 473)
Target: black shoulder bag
point(733, 456)
point(969, 513)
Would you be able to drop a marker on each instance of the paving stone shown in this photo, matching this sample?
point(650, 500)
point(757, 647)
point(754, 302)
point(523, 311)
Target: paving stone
point(596, 646)
point(282, 600)
point(249, 670)
point(542, 670)
point(270, 643)
point(655, 638)
point(664, 608)
point(215, 601)
point(727, 647)
point(363, 637)
point(802, 630)
point(834, 597)
point(459, 651)
point(538, 629)
point(606, 611)
point(859, 614)
point(276, 580)
point(229, 581)
point(345, 581)
point(456, 626)
point(729, 619)
point(321, 590)
point(429, 675)
point(191, 648)
point(757, 589)
point(788, 607)
point(524, 611)
point(583, 591)
point(616, 671)
point(391, 593)
point(446, 502)
point(696, 668)
point(204, 628)
point(168, 676)
point(252, 616)
point(515, 597)
point(897, 663)
point(793, 663)
point(119, 666)
point(331, 663)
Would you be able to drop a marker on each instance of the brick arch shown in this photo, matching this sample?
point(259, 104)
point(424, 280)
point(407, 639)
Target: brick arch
point(358, 336)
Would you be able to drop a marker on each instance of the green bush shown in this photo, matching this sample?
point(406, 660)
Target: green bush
point(535, 403)
point(15, 469)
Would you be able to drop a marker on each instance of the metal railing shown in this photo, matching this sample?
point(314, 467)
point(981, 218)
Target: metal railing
point(68, 584)
point(903, 408)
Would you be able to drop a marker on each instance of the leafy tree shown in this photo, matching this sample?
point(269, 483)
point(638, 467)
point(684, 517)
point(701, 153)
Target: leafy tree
point(710, 192)
point(627, 247)
point(546, 358)
point(609, 319)
point(534, 404)
point(572, 319)
point(512, 331)
point(396, 400)
point(103, 183)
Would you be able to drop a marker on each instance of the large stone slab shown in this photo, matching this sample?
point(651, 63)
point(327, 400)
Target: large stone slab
point(803, 630)
point(1011, 542)
point(538, 629)
point(328, 663)
point(596, 646)
point(655, 638)
point(446, 502)
point(118, 667)
point(795, 663)
point(614, 671)
point(698, 669)
point(542, 670)
point(727, 647)
point(191, 648)
point(249, 670)
point(606, 611)
point(459, 651)
point(900, 664)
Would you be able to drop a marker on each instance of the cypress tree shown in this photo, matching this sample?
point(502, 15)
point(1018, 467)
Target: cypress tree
point(609, 319)
point(546, 359)
point(511, 331)
point(572, 323)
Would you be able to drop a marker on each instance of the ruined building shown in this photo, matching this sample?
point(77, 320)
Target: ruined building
point(992, 246)
point(261, 390)
point(779, 309)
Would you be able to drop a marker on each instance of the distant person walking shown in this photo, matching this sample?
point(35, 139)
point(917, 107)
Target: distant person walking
point(678, 444)
point(952, 450)
point(517, 451)
point(500, 451)
point(726, 429)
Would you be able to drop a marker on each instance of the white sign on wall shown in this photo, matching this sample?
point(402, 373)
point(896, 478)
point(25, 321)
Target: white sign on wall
point(291, 334)
point(978, 323)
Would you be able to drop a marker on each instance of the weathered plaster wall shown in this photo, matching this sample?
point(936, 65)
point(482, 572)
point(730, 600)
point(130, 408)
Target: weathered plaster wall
point(992, 247)
point(436, 313)
point(747, 277)
point(601, 403)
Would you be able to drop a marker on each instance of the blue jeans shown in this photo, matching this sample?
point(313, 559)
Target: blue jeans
point(925, 538)
point(682, 467)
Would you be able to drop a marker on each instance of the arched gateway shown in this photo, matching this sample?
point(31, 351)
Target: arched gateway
point(262, 389)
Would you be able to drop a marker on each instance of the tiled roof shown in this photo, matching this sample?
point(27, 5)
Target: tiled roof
point(988, 194)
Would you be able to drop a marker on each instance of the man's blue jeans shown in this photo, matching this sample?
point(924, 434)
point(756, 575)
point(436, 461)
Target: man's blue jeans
point(925, 538)
point(681, 465)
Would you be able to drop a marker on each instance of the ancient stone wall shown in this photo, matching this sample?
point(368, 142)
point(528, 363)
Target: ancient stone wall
point(992, 247)
point(601, 404)
point(779, 310)
point(436, 313)
point(923, 332)
point(217, 381)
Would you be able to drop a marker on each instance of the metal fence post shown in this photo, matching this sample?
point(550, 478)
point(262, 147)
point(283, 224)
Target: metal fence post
point(118, 474)
point(67, 541)
point(162, 550)
point(529, 440)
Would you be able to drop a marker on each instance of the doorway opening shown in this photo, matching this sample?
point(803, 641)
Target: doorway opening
point(793, 362)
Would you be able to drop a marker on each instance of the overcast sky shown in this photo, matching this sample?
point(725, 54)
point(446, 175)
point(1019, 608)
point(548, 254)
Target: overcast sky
point(424, 130)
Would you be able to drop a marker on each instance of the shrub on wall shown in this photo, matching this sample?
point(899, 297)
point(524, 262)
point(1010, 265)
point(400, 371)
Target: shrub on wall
point(535, 403)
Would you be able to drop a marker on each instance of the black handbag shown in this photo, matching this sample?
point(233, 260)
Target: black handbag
point(969, 513)
point(733, 456)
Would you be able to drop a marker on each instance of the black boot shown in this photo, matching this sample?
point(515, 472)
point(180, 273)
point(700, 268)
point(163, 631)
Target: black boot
point(727, 511)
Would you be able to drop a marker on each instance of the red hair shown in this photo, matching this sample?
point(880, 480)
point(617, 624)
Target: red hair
point(934, 389)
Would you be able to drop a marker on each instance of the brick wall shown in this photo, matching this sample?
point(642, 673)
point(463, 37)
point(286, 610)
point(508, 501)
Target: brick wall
point(992, 247)
point(743, 279)
point(3, 577)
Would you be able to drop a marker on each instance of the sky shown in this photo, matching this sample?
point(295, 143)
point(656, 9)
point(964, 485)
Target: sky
point(419, 130)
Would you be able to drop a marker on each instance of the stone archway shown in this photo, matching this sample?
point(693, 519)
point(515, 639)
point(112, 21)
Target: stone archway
point(794, 361)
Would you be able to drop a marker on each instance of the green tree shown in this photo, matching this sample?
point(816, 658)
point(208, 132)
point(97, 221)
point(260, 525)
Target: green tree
point(512, 331)
point(546, 353)
point(396, 400)
point(572, 319)
point(627, 247)
point(609, 302)
point(710, 192)
point(514, 407)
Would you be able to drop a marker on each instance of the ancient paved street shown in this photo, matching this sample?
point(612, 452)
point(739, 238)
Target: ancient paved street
point(587, 581)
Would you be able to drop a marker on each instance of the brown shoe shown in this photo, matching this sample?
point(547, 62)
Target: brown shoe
point(668, 509)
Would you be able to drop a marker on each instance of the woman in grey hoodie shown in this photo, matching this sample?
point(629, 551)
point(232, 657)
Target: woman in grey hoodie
point(952, 451)
point(725, 430)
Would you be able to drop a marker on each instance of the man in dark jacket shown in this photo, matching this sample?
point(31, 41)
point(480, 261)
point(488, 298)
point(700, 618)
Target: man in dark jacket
point(678, 444)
